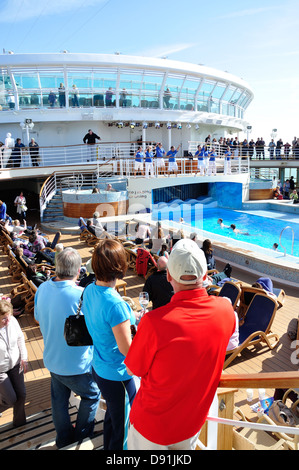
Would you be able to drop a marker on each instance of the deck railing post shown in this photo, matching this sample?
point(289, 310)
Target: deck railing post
point(212, 432)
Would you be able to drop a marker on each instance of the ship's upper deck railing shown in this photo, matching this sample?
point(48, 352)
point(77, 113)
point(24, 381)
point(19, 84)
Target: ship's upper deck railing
point(114, 157)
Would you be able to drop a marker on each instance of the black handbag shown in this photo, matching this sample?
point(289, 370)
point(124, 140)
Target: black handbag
point(75, 329)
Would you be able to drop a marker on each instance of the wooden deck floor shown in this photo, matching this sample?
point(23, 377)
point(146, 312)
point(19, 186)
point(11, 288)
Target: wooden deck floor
point(257, 360)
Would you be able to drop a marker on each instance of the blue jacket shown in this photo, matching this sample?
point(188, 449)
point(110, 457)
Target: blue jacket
point(3, 211)
point(53, 303)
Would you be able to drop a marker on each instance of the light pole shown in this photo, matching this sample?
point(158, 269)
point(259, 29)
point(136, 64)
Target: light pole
point(27, 125)
point(249, 130)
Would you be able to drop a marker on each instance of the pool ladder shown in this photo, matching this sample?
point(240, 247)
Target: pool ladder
point(285, 250)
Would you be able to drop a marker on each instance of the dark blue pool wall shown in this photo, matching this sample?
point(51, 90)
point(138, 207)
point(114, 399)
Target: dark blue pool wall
point(227, 194)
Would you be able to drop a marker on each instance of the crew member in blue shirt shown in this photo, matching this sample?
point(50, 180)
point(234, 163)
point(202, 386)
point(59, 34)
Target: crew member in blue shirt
point(172, 164)
point(149, 165)
point(160, 152)
point(138, 162)
point(200, 154)
point(227, 162)
point(212, 162)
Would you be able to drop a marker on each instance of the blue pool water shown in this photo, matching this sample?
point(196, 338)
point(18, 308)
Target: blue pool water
point(263, 227)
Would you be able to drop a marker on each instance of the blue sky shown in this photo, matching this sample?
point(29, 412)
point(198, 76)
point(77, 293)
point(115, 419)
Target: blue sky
point(257, 40)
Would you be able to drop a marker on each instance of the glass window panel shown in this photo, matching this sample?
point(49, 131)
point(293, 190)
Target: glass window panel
point(207, 88)
point(247, 102)
point(190, 86)
point(202, 105)
point(80, 80)
point(26, 81)
point(214, 106)
point(149, 101)
point(228, 109)
point(231, 110)
point(152, 82)
point(243, 100)
point(130, 81)
point(235, 97)
point(229, 93)
point(174, 83)
point(27, 100)
point(51, 81)
point(151, 86)
point(104, 80)
point(219, 90)
point(5, 82)
point(86, 100)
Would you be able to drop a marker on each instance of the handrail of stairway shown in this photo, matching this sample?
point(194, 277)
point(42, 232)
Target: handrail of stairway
point(43, 199)
point(285, 250)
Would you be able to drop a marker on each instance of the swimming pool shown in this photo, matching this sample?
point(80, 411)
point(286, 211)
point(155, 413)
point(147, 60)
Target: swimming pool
point(263, 227)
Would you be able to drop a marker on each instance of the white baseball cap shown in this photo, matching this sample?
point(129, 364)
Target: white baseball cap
point(187, 259)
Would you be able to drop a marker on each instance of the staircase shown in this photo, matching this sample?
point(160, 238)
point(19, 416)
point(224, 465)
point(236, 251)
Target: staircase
point(39, 432)
point(54, 209)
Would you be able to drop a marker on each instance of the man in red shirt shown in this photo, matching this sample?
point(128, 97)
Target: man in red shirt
point(178, 352)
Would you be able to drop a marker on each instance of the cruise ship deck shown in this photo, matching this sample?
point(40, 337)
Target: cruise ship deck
point(258, 360)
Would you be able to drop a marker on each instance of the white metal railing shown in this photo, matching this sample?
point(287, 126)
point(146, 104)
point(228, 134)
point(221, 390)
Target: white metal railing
point(119, 158)
point(293, 235)
point(213, 422)
point(264, 173)
point(252, 152)
point(64, 180)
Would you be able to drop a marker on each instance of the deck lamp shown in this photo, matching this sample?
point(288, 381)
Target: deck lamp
point(27, 125)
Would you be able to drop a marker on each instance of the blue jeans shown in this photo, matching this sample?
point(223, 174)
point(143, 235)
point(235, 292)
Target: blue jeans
point(61, 388)
point(119, 396)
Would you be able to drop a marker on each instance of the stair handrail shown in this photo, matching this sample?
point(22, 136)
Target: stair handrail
point(293, 236)
point(50, 185)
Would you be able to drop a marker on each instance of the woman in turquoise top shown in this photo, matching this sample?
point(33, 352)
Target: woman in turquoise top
point(108, 319)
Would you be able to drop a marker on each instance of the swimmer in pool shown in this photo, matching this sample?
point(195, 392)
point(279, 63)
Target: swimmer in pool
point(220, 222)
point(236, 230)
point(275, 246)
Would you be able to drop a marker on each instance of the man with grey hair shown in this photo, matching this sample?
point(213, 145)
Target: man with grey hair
point(70, 367)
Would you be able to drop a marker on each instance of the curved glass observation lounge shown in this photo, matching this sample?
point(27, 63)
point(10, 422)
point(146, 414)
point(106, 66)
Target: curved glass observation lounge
point(28, 81)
